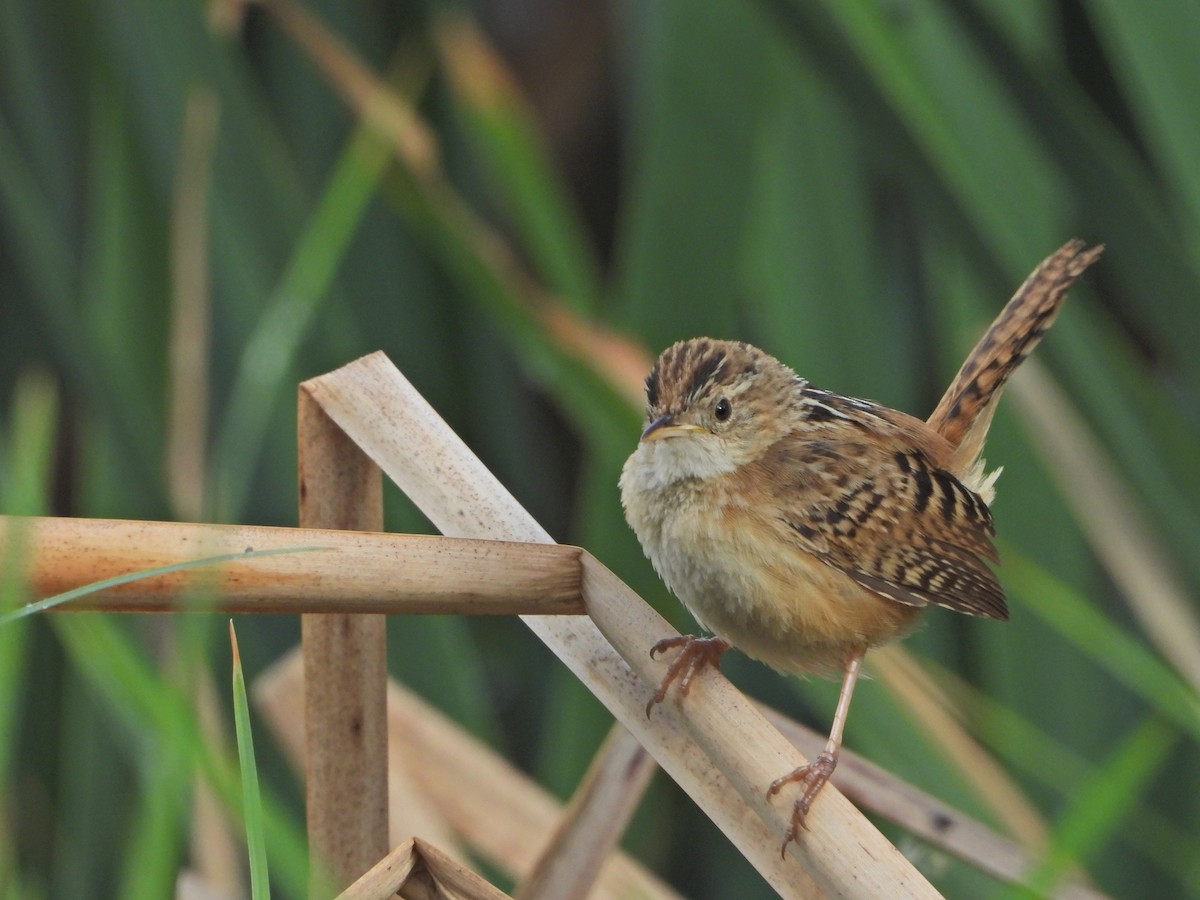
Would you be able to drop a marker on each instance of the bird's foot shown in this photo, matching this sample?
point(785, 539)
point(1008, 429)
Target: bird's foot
point(694, 654)
point(813, 777)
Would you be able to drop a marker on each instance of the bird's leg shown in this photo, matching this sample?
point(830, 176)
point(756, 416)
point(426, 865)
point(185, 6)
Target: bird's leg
point(814, 775)
point(694, 654)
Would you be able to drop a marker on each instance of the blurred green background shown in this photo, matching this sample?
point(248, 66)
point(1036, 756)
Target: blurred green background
point(193, 220)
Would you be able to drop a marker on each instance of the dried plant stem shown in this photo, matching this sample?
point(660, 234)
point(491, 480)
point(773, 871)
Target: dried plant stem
point(594, 821)
point(341, 571)
point(414, 142)
point(190, 306)
point(919, 813)
point(504, 816)
point(436, 875)
point(455, 782)
point(386, 877)
point(345, 664)
point(842, 852)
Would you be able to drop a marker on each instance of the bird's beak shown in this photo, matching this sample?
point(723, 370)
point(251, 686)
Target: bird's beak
point(665, 427)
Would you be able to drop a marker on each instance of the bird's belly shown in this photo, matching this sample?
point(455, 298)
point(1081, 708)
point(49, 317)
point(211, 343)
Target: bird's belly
point(777, 603)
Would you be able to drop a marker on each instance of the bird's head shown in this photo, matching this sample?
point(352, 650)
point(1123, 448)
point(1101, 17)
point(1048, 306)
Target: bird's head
point(712, 406)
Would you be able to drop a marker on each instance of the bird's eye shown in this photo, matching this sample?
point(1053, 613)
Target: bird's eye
point(723, 410)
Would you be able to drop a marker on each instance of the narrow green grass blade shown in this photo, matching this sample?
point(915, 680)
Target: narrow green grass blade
point(1154, 52)
point(697, 88)
point(970, 130)
point(153, 708)
point(809, 229)
point(1048, 763)
point(252, 812)
point(268, 355)
point(24, 469)
point(49, 264)
point(1097, 812)
point(1112, 649)
point(118, 580)
point(520, 173)
point(28, 449)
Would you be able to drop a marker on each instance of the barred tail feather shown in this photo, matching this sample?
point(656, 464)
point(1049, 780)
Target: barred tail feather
point(965, 412)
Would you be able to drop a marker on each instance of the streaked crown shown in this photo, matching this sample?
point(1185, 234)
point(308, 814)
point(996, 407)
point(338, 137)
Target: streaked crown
point(691, 378)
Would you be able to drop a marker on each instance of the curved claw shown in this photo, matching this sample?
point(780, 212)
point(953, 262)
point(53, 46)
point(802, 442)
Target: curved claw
point(813, 776)
point(694, 654)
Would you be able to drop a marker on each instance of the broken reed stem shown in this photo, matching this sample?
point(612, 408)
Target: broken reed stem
point(386, 877)
point(345, 664)
point(593, 822)
point(437, 875)
point(456, 785)
point(342, 571)
point(841, 851)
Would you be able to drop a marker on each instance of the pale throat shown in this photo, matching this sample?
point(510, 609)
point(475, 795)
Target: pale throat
point(673, 459)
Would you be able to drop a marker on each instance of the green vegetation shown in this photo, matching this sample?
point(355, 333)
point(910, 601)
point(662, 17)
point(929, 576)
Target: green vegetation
point(193, 219)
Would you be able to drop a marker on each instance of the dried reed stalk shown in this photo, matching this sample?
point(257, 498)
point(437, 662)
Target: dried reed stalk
point(938, 824)
point(842, 852)
point(345, 665)
point(594, 821)
point(413, 141)
point(214, 851)
point(505, 816)
point(386, 877)
point(445, 781)
point(436, 876)
point(343, 571)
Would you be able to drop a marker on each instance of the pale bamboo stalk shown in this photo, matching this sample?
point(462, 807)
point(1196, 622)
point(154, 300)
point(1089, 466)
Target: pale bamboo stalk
point(460, 783)
point(342, 571)
point(594, 821)
point(841, 851)
point(345, 665)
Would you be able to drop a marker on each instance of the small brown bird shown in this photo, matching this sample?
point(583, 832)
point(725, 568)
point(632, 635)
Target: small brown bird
point(805, 527)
